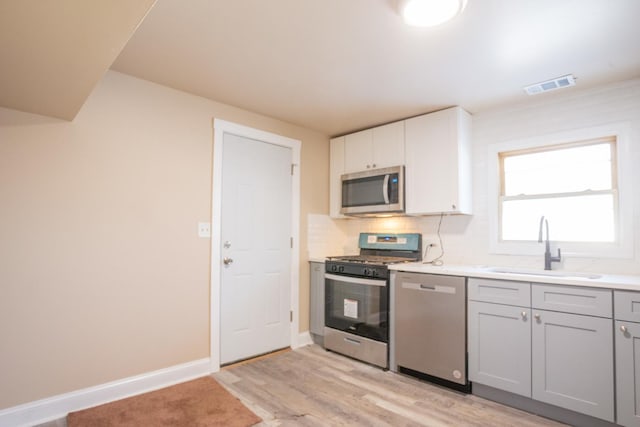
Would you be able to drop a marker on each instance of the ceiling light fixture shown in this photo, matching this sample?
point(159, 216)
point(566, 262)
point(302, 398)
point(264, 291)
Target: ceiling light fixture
point(429, 13)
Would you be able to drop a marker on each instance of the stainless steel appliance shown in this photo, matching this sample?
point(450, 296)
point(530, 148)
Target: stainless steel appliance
point(373, 192)
point(430, 332)
point(357, 295)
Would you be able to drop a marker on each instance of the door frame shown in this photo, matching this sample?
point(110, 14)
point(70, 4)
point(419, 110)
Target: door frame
point(220, 128)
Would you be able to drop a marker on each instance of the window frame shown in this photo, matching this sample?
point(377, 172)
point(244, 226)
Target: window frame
point(621, 184)
point(613, 190)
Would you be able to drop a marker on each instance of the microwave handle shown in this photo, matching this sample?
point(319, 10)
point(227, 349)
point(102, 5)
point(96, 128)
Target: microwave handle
point(385, 189)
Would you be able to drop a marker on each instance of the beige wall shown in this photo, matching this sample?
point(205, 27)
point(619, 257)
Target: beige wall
point(102, 274)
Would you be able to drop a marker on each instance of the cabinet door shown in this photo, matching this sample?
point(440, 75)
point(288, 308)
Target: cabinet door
point(572, 362)
point(500, 347)
point(388, 145)
point(336, 169)
point(358, 151)
point(438, 163)
point(316, 300)
point(627, 337)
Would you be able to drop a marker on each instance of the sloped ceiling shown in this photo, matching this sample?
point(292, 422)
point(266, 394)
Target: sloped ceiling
point(53, 52)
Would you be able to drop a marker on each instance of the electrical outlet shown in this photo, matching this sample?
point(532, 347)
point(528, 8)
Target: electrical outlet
point(204, 229)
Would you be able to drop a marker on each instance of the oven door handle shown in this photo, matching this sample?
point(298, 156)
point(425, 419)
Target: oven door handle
point(356, 280)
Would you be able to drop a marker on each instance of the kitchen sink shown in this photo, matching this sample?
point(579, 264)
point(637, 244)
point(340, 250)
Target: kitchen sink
point(543, 273)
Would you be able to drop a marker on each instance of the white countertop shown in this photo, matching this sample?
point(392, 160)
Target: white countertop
point(559, 277)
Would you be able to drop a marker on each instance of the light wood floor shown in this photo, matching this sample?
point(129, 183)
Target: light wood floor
point(313, 387)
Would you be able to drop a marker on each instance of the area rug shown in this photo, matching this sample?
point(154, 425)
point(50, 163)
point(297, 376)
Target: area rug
point(201, 402)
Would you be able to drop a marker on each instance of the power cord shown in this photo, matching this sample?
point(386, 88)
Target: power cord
point(437, 261)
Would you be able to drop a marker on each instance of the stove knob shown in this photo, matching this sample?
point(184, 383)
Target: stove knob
point(334, 268)
point(366, 272)
point(341, 269)
point(374, 273)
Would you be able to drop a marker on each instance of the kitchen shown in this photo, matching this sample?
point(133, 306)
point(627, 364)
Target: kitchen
point(521, 276)
point(171, 195)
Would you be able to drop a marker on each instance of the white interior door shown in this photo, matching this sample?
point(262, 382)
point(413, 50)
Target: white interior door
point(255, 248)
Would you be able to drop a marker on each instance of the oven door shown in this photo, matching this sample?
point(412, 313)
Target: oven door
point(357, 305)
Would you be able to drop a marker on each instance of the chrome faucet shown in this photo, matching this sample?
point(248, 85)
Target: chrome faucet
point(548, 259)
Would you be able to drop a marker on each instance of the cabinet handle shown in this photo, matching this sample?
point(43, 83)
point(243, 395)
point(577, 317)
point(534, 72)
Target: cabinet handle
point(623, 329)
point(537, 316)
point(524, 314)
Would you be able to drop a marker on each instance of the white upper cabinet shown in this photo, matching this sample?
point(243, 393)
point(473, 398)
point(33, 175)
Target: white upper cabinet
point(376, 148)
point(438, 163)
point(388, 145)
point(358, 151)
point(435, 149)
point(336, 169)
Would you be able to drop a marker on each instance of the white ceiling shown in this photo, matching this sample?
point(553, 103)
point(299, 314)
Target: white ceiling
point(342, 65)
point(53, 53)
point(331, 65)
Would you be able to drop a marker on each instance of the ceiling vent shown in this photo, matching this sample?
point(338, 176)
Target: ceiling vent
point(553, 84)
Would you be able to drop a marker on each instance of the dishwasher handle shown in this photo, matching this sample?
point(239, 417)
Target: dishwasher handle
point(444, 289)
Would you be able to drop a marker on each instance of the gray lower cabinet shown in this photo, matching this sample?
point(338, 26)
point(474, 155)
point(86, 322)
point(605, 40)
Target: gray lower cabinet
point(500, 346)
point(572, 362)
point(316, 298)
point(627, 341)
point(550, 343)
point(628, 373)
point(572, 348)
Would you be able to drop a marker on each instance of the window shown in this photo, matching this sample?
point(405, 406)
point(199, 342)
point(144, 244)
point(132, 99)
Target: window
point(580, 181)
point(572, 185)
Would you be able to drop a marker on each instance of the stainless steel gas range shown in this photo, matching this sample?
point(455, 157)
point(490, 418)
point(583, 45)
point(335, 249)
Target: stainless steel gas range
point(357, 295)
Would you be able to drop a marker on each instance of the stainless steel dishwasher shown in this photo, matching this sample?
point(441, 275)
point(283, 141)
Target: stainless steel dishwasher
point(430, 328)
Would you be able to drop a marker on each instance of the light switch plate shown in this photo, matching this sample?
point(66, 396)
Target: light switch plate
point(204, 229)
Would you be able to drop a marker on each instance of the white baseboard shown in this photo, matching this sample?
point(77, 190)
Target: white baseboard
point(56, 407)
point(304, 338)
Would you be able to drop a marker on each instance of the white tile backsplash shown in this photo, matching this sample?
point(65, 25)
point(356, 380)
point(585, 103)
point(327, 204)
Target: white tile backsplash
point(325, 236)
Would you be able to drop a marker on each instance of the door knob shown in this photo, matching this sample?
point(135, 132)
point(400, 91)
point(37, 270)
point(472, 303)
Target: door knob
point(623, 329)
point(227, 261)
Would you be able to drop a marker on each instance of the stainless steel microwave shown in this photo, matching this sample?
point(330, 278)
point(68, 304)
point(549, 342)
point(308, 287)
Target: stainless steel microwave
point(373, 192)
